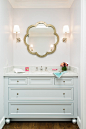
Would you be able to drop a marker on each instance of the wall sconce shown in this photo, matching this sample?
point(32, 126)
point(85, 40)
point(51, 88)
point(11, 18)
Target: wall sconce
point(16, 30)
point(51, 46)
point(65, 31)
point(31, 47)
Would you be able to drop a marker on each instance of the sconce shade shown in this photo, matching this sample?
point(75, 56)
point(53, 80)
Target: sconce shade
point(66, 29)
point(16, 29)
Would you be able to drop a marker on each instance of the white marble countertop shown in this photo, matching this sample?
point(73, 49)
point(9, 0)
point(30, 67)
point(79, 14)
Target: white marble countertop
point(27, 74)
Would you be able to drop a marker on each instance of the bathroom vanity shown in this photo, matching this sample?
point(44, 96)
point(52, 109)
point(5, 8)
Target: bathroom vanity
point(38, 96)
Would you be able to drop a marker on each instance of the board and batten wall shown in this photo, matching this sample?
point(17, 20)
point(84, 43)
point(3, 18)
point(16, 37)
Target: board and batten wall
point(26, 17)
point(6, 47)
point(75, 36)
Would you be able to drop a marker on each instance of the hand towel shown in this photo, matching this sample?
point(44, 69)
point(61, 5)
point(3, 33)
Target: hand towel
point(58, 74)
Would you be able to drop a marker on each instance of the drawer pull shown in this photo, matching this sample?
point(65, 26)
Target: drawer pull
point(17, 109)
point(17, 93)
point(63, 81)
point(64, 110)
point(17, 81)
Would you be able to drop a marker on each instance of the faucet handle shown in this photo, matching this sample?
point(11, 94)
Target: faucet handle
point(36, 68)
point(45, 68)
point(41, 68)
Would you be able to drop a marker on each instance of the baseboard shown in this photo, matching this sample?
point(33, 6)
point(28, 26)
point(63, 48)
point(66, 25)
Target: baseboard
point(79, 122)
point(42, 119)
point(2, 122)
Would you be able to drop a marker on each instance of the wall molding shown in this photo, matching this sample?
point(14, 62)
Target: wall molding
point(2, 122)
point(79, 122)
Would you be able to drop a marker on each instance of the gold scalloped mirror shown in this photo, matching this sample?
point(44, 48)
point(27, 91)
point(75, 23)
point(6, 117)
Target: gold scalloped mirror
point(41, 39)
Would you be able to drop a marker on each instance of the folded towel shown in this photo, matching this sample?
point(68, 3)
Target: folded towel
point(58, 74)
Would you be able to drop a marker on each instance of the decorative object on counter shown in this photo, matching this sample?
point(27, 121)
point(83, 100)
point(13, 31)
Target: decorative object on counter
point(16, 30)
point(59, 74)
point(54, 69)
point(41, 35)
point(26, 68)
point(65, 31)
point(17, 70)
point(64, 66)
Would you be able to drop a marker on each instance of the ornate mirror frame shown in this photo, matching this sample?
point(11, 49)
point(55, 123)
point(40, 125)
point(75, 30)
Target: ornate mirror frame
point(27, 35)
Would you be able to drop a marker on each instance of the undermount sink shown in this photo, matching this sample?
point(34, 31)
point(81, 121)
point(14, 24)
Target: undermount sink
point(42, 72)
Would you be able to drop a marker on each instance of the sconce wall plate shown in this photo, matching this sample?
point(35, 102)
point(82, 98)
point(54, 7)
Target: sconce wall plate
point(18, 40)
point(64, 40)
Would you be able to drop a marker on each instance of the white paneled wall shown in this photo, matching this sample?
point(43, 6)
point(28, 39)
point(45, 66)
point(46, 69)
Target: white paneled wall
point(6, 45)
point(83, 66)
point(26, 17)
point(75, 13)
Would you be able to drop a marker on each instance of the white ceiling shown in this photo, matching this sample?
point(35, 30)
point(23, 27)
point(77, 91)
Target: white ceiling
point(41, 3)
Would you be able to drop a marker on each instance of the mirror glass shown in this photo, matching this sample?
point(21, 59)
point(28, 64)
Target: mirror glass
point(41, 39)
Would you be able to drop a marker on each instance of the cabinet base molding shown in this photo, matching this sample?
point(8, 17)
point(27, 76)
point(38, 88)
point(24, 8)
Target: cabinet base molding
point(27, 119)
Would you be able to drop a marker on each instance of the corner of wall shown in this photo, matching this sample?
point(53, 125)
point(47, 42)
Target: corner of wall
point(2, 122)
point(79, 122)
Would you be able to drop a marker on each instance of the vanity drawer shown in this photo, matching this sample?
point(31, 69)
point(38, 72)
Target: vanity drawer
point(17, 81)
point(41, 110)
point(41, 81)
point(64, 81)
point(41, 94)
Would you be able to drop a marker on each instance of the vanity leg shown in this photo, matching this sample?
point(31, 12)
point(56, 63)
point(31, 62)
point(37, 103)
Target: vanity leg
point(74, 121)
point(7, 121)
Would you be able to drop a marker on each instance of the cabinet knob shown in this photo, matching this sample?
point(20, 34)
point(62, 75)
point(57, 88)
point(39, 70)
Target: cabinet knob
point(63, 93)
point(64, 109)
point(17, 109)
point(17, 81)
point(17, 93)
point(63, 81)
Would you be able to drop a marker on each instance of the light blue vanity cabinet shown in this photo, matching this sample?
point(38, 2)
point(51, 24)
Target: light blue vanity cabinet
point(41, 98)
